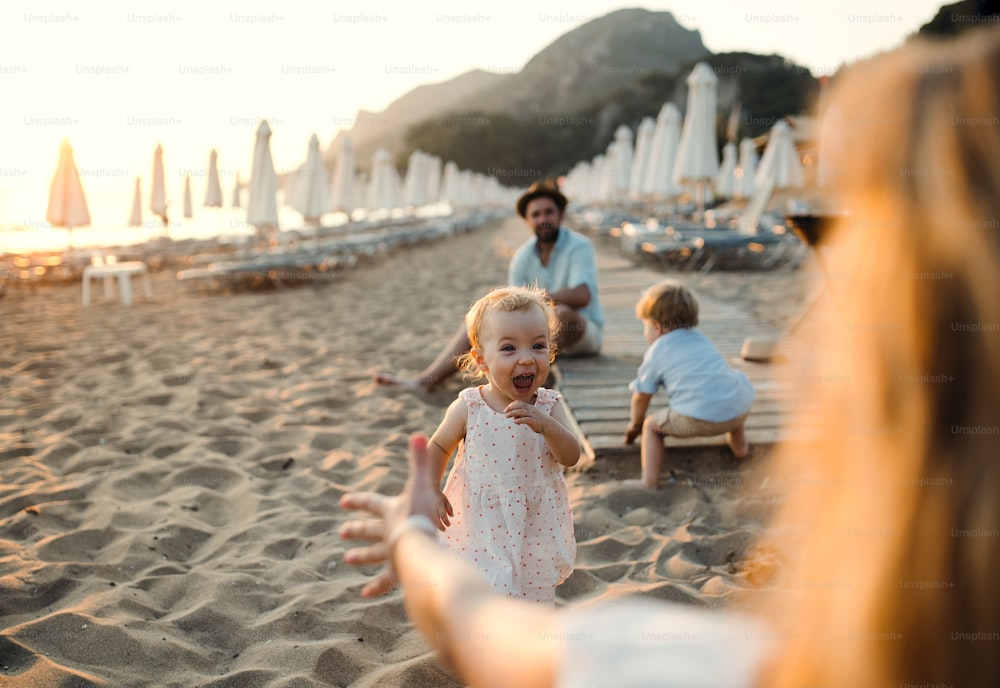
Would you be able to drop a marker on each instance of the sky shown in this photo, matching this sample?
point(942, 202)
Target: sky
point(116, 78)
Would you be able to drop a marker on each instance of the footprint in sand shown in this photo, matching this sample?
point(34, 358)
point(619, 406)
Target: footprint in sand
point(328, 441)
point(717, 550)
point(284, 549)
point(257, 415)
point(229, 447)
point(113, 358)
point(177, 380)
point(139, 486)
point(209, 477)
point(180, 543)
point(79, 545)
point(341, 665)
point(64, 423)
point(166, 450)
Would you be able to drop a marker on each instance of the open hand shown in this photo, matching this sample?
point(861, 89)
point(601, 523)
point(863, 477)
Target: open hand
point(419, 496)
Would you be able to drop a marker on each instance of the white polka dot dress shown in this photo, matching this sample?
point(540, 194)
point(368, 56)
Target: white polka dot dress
point(512, 519)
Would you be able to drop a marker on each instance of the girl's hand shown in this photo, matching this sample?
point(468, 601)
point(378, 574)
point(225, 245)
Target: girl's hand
point(419, 496)
point(444, 510)
point(524, 413)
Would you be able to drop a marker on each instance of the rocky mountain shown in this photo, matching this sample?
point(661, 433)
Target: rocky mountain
point(577, 69)
point(959, 17)
point(592, 60)
point(387, 128)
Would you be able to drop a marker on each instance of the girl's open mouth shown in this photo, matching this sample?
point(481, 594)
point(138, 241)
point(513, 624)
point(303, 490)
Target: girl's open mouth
point(523, 383)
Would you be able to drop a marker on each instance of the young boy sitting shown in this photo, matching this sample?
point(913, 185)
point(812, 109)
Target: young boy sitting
point(707, 397)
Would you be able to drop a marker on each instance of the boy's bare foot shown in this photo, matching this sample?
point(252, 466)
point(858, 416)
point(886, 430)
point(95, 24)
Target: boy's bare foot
point(411, 383)
point(638, 483)
point(740, 449)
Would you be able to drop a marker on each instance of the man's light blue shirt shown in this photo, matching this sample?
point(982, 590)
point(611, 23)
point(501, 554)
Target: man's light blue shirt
point(573, 262)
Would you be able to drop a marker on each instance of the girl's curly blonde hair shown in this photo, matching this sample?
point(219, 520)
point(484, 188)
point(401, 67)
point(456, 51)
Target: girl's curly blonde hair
point(505, 300)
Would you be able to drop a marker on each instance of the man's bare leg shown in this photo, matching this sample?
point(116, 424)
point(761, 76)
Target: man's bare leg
point(441, 368)
point(572, 326)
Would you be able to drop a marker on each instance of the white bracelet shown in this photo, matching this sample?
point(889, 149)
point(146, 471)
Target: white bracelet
point(415, 522)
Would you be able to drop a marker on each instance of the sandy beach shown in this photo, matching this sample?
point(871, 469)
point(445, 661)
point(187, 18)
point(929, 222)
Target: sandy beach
point(169, 477)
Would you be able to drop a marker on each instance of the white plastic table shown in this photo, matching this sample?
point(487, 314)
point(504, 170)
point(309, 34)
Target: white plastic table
point(124, 272)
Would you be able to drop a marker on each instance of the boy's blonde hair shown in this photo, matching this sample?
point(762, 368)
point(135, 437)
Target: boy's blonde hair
point(505, 300)
point(669, 303)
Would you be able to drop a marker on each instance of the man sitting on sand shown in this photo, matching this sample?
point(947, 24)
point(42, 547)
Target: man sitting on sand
point(557, 259)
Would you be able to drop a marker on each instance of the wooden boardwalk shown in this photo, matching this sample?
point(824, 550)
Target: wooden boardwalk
point(596, 389)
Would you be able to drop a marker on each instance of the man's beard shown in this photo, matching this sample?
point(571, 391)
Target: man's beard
point(547, 234)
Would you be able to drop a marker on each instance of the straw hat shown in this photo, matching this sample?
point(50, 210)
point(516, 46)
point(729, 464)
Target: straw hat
point(546, 189)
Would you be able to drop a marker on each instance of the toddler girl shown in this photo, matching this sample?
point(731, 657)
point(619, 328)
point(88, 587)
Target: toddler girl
point(506, 493)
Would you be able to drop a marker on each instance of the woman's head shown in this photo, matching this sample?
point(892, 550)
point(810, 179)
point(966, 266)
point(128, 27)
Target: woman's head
point(894, 496)
point(512, 331)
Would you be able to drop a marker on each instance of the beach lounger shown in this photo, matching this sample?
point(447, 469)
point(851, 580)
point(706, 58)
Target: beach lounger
point(732, 250)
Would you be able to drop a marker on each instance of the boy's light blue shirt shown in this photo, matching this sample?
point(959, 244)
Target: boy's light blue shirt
point(697, 378)
point(573, 262)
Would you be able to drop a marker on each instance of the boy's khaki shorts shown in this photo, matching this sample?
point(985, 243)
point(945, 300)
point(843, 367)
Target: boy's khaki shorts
point(669, 422)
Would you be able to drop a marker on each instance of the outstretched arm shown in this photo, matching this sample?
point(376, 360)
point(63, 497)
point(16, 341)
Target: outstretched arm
point(491, 640)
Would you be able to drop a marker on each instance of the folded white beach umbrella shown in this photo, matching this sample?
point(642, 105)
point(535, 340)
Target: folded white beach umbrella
point(465, 192)
point(158, 194)
point(641, 157)
point(262, 205)
point(188, 211)
point(622, 172)
point(213, 194)
point(725, 182)
point(309, 193)
point(433, 191)
point(383, 189)
point(360, 189)
point(578, 183)
point(697, 154)
point(67, 204)
point(780, 160)
point(597, 172)
point(609, 170)
point(415, 186)
point(659, 182)
point(449, 184)
point(236, 192)
point(135, 217)
point(343, 195)
point(746, 170)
